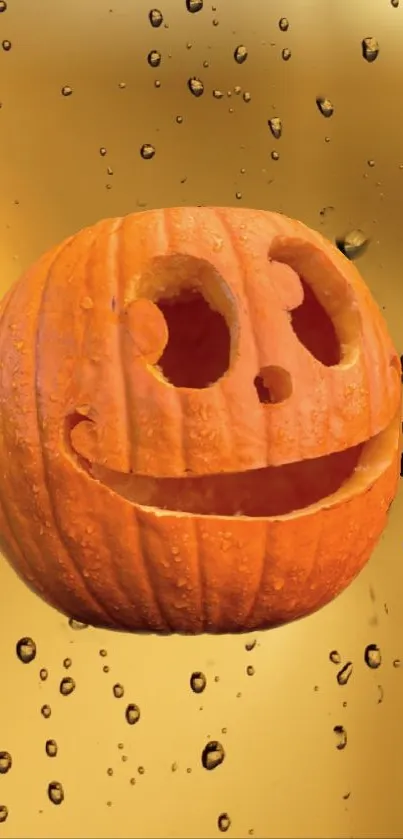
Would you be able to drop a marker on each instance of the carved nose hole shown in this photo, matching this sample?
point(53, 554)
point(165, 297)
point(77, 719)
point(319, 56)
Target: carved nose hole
point(273, 384)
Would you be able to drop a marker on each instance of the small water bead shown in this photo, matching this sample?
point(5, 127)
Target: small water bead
point(103, 151)
point(335, 657)
point(371, 163)
point(283, 24)
point(46, 711)
point(132, 713)
point(106, 668)
point(396, 662)
point(3, 808)
point(3, 6)
point(213, 755)
point(51, 748)
point(246, 96)
point(141, 770)
point(196, 86)
point(6, 762)
point(6, 45)
point(147, 151)
point(325, 106)
point(43, 674)
point(276, 127)
point(122, 85)
point(345, 673)
point(118, 690)
point(154, 58)
point(77, 625)
point(66, 90)
point(238, 196)
point(156, 18)
point(157, 83)
point(341, 737)
point(194, 5)
point(286, 54)
point(55, 792)
point(132, 781)
point(215, 21)
point(370, 49)
point(103, 653)
point(26, 650)
point(218, 94)
point(372, 656)
point(223, 822)
point(240, 54)
point(250, 670)
point(67, 686)
point(275, 155)
point(67, 662)
point(394, 3)
point(179, 119)
point(353, 244)
point(109, 771)
point(198, 682)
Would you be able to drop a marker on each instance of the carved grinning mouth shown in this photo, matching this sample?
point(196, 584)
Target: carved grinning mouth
point(272, 491)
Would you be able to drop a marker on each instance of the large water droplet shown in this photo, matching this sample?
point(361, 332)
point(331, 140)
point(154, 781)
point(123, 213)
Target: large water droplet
point(154, 58)
point(55, 792)
point(26, 650)
point(196, 86)
point(3, 808)
point(341, 737)
point(283, 24)
point(223, 822)
point(372, 656)
point(345, 673)
point(132, 713)
point(353, 244)
point(213, 755)
point(155, 17)
point(194, 5)
point(6, 762)
point(240, 54)
point(370, 49)
point(67, 685)
point(147, 151)
point(325, 106)
point(276, 127)
point(51, 748)
point(198, 682)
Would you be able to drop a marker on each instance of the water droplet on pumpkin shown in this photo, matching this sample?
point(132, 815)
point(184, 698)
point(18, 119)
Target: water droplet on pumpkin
point(276, 127)
point(118, 690)
point(147, 151)
point(325, 106)
point(335, 657)
point(155, 17)
point(213, 755)
point(194, 5)
point(353, 244)
point(286, 54)
point(3, 5)
point(67, 686)
point(341, 737)
point(132, 713)
point(154, 58)
point(198, 682)
point(223, 822)
point(46, 711)
point(6, 762)
point(87, 303)
point(55, 792)
point(372, 656)
point(250, 670)
point(283, 24)
point(345, 673)
point(51, 748)
point(240, 54)
point(26, 650)
point(6, 45)
point(3, 808)
point(43, 674)
point(66, 90)
point(370, 49)
point(196, 86)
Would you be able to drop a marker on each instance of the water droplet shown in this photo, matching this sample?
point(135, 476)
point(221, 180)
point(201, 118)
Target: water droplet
point(246, 96)
point(67, 686)
point(335, 657)
point(132, 713)
point(43, 674)
point(396, 662)
point(325, 106)
point(370, 49)
point(274, 155)
point(3, 5)
point(147, 151)
point(6, 45)
point(105, 668)
point(341, 737)
point(353, 244)
point(372, 656)
point(109, 771)
point(393, 3)
point(179, 119)
point(55, 792)
point(155, 17)
point(194, 5)
point(196, 86)
point(238, 196)
point(6, 762)
point(103, 653)
point(213, 755)
point(283, 24)
point(250, 645)
point(26, 650)
point(286, 54)
point(240, 54)
point(67, 662)
point(103, 151)
point(198, 682)
point(276, 127)
point(218, 94)
point(51, 748)
point(73, 624)
point(345, 673)
point(154, 58)
point(371, 163)
point(141, 770)
point(3, 808)
point(67, 90)
point(118, 690)
point(215, 21)
point(250, 670)
point(46, 711)
point(223, 822)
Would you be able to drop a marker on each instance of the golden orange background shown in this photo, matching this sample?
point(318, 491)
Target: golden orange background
point(283, 775)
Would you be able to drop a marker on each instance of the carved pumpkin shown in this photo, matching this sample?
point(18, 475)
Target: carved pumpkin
point(199, 425)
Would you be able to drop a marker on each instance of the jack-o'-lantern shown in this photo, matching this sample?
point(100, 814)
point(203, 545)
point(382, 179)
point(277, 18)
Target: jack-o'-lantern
point(199, 424)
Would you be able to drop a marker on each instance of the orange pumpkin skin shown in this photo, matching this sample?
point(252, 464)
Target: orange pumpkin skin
point(244, 490)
